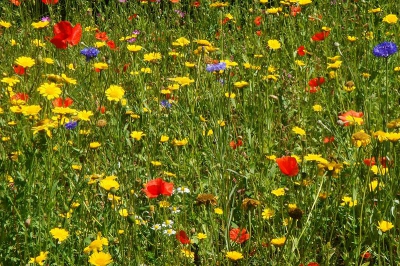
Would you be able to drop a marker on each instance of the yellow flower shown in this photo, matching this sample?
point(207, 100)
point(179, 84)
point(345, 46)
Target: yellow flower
point(109, 182)
point(30, 109)
point(25, 61)
point(299, 131)
point(379, 170)
point(187, 253)
point(361, 139)
point(317, 108)
point(97, 244)
point(201, 236)
point(5, 24)
point(59, 233)
point(134, 48)
point(68, 80)
point(137, 135)
point(85, 115)
point(164, 138)
point(156, 163)
point(263, 1)
point(352, 38)
point(40, 259)
point(278, 192)
point(304, 2)
point(273, 10)
point(40, 24)
point(49, 90)
point(234, 255)
point(10, 81)
point(99, 44)
point(203, 42)
point(375, 10)
point(189, 64)
point(230, 95)
point(100, 65)
point(348, 201)
point(182, 41)
point(218, 211)
point(334, 65)
point(390, 19)
point(241, 84)
point(152, 57)
point(219, 4)
point(221, 123)
point(278, 242)
point(183, 81)
point(374, 184)
point(299, 63)
point(385, 226)
point(100, 259)
point(48, 60)
point(274, 44)
point(268, 213)
point(13, 42)
point(115, 93)
point(182, 142)
point(94, 145)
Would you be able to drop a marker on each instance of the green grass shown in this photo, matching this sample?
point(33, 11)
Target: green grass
point(229, 140)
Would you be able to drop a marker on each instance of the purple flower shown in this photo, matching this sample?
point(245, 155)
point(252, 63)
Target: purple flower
point(180, 13)
point(131, 40)
point(166, 104)
point(136, 32)
point(385, 49)
point(216, 67)
point(46, 19)
point(71, 125)
point(90, 53)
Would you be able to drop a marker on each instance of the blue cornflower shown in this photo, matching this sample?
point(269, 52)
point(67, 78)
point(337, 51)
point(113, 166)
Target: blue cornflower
point(71, 125)
point(216, 67)
point(385, 49)
point(90, 53)
point(166, 104)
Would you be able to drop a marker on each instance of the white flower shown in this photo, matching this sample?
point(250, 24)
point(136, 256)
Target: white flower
point(182, 190)
point(169, 232)
point(168, 223)
point(175, 210)
point(156, 227)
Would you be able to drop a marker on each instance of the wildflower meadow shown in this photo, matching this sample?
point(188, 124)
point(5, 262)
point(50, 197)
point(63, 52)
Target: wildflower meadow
point(184, 132)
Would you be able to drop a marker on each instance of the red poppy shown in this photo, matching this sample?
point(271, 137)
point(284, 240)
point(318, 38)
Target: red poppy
point(16, 2)
point(102, 109)
point(320, 36)
point(366, 255)
point(316, 82)
point(157, 187)
point(288, 165)
point(225, 20)
point(257, 21)
point(50, 2)
point(182, 237)
point(19, 70)
point(65, 34)
point(301, 51)
point(329, 139)
point(294, 10)
point(102, 36)
point(132, 16)
point(259, 33)
point(236, 144)
point(111, 44)
point(313, 264)
point(239, 235)
point(125, 67)
point(60, 102)
point(196, 3)
point(18, 97)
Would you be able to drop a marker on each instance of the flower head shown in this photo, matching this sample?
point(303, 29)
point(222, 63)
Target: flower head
point(24, 61)
point(385, 49)
point(59, 233)
point(385, 226)
point(288, 165)
point(65, 34)
point(39, 259)
point(100, 259)
point(234, 255)
point(390, 19)
point(239, 235)
point(90, 53)
point(157, 187)
point(115, 93)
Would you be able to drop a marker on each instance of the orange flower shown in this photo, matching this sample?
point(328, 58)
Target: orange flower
point(16, 2)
